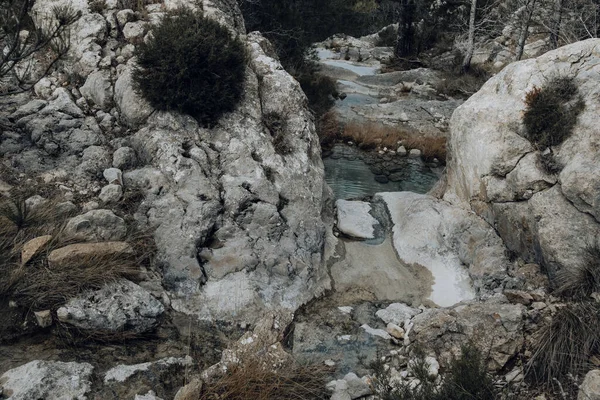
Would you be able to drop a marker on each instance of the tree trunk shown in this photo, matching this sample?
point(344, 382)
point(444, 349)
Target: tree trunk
point(556, 21)
point(405, 44)
point(471, 41)
point(527, 15)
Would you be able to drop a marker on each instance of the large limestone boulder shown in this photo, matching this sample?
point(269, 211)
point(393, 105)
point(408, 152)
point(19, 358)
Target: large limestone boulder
point(493, 169)
point(117, 307)
point(47, 380)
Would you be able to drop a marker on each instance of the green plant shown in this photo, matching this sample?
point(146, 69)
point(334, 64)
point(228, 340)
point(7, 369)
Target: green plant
point(548, 163)
point(193, 65)
point(277, 126)
point(16, 211)
point(551, 112)
point(583, 279)
point(387, 37)
point(565, 345)
point(320, 90)
point(97, 6)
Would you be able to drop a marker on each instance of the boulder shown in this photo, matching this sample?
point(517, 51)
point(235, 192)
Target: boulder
point(111, 193)
point(492, 325)
point(73, 253)
point(124, 158)
point(494, 170)
point(33, 247)
point(49, 380)
point(134, 110)
point(96, 225)
point(98, 89)
point(120, 306)
point(354, 219)
point(590, 388)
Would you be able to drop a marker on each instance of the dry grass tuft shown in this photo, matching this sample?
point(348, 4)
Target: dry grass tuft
point(580, 281)
point(40, 287)
point(251, 380)
point(566, 344)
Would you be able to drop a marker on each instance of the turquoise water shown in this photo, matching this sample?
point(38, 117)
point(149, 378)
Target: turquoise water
point(350, 177)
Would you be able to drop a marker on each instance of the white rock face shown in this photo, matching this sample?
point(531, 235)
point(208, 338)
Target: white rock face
point(354, 219)
point(47, 380)
point(119, 306)
point(460, 249)
point(493, 170)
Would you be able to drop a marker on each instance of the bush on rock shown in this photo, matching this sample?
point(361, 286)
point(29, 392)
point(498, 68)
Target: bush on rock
point(552, 112)
point(193, 65)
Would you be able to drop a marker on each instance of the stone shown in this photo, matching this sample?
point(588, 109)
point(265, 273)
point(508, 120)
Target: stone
point(72, 253)
point(113, 176)
point(118, 307)
point(414, 153)
point(518, 297)
point(590, 388)
point(125, 16)
point(96, 225)
point(397, 313)
point(516, 375)
point(402, 151)
point(134, 110)
point(191, 391)
point(376, 332)
point(357, 387)
point(134, 30)
point(354, 219)
point(43, 318)
point(33, 247)
point(111, 193)
point(148, 396)
point(395, 331)
point(98, 89)
point(124, 158)
point(48, 380)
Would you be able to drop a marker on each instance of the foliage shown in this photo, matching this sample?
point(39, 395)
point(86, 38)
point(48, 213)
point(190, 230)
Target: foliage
point(565, 345)
point(582, 280)
point(551, 112)
point(466, 379)
point(548, 163)
point(387, 37)
point(191, 65)
point(29, 51)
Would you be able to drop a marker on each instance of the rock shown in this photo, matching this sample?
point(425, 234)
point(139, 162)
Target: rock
point(489, 323)
point(414, 153)
point(98, 89)
point(402, 151)
point(125, 16)
point(48, 380)
point(111, 193)
point(134, 30)
point(191, 391)
point(376, 332)
point(395, 331)
point(113, 176)
point(516, 375)
point(96, 225)
point(541, 219)
point(124, 158)
point(117, 307)
point(518, 297)
point(460, 249)
point(354, 219)
point(590, 388)
point(73, 253)
point(148, 396)
point(30, 108)
point(65, 209)
point(397, 313)
point(433, 367)
point(357, 388)
point(43, 318)
point(33, 247)
point(134, 110)
point(36, 202)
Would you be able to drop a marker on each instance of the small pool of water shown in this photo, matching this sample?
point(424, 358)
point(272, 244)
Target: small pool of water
point(357, 69)
point(349, 175)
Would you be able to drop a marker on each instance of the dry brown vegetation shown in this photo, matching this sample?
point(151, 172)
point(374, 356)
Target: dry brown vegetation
point(372, 135)
point(251, 380)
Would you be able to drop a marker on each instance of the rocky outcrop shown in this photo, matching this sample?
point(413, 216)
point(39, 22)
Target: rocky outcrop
point(47, 380)
point(493, 169)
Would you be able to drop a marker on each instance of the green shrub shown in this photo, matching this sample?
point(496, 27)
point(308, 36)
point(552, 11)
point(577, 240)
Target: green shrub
point(191, 65)
point(320, 90)
point(551, 112)
point(387, 37)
